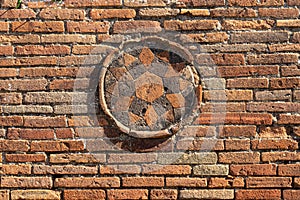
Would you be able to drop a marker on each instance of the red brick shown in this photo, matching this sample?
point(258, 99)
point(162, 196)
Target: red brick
point(127, 194)
point(42, 122)
point(84, 194)
point(283, 144)
point(112, 13)
point(237, 144)
point(26, 182)
point(25, 158)
point(261, 36)
point(220, 59)
point(208, 3)
point(293, 2)
point(23, 84)
point(56, 146)
point(30, 134)
point(163, 194)
point(94, 3)
point(195, 12)
point(235, 118)
point(42, 50)
point(66, 169)
point(167, 169)
point(237, 131)
point(77, 158)
point(285, 83)
point(10, 98)
point(268, 182)
point(186, 182)
point(247, 25)
point(87, 182)
point(239, 157)
point(64, 133)
point(280, 156)
point(247, 83)
point(17, 14)
point(143, 181)
point(258, 194)
point(38, 27)
point(289, 170)
point(289, 119)
point(136, 26)
point(226, 183)
point(291, 194)
point(190, 25)
point(62, 14)
point(7, 72)
point(284, 48)
point(233, 12)
point(11, 121)
point(236, 71)
point(87, 27)
point(272, 58)
point(253, 170)
point(279, 12)
point(53, 72)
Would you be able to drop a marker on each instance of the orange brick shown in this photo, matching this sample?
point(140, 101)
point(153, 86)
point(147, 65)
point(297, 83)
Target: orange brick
point(66, 169)
point(11, 121)
point(112, 13)
point(6, 50)
point(289, 119)
point(56, 146)
point(247, 25)
point(8, 72)
point(38, 27)
point(237, 144)
point(253, 170)
point(226, 183)
point(26, 182)
point(9, 3)
point(23, 84)
point(258, 194)
point(280, 156)
point(236, 71)
point(25, 158)
point(127, 194)
point(62, 14)
point(186, 182)
point(42, 50)
point(247, 83)
point(36, 121)
point(167, 169)
point(84, 194)
point(289, 170)
point(17, 14)
point(283, 144)
point(268, 182)
point(94, 3)
point(237, 131)
point(239, 157)
point(233, 12)
point(4, 26)
point(143, 182)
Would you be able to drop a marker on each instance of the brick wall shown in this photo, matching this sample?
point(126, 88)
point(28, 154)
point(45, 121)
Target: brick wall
point(244, 144)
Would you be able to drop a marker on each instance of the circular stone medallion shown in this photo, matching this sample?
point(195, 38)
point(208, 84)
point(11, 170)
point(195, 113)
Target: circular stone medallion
point(149, 92)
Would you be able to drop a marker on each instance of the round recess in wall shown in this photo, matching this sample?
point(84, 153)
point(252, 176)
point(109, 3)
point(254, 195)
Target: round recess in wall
point(148, 90)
